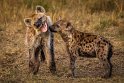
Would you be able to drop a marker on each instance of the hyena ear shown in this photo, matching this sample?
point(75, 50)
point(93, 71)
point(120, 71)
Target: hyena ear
point(27, 21)
point(40, 9)
point(68, 26)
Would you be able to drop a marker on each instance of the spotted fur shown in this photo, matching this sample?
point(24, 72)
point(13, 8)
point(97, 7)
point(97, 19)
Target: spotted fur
point(84, 44)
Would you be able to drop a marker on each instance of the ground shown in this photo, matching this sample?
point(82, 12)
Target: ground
point(86, 15)
point(14, 62)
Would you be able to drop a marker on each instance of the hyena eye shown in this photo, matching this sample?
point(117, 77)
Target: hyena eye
point(37, 24)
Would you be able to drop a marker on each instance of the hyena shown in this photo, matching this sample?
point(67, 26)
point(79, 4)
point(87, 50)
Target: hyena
point(39, 40)
point(84, 44)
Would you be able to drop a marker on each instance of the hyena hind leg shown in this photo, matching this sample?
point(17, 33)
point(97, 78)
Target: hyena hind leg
point(104, 56)
point(107, 67)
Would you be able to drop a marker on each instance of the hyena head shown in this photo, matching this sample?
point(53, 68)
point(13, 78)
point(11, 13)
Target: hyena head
point(37, 21)
point(61, 26)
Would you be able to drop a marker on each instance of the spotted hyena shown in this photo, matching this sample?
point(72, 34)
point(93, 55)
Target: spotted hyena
point(84, 44)
point(39, 40)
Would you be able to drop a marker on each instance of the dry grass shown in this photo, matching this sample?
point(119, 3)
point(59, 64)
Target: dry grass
point(86, 15)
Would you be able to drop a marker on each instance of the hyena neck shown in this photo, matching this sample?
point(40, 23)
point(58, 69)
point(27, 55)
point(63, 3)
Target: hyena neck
point(74, 32)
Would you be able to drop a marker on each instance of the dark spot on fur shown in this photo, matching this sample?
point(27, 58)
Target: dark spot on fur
point(83, 44)
point(101, 56)
point(99, 42)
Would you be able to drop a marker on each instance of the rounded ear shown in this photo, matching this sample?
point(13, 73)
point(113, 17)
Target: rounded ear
point(27, 21)
point(68, 26)
point(40, 9)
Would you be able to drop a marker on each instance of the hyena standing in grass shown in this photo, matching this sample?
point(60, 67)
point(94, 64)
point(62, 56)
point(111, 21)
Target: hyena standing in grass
point(84, 44)
point(39, 40)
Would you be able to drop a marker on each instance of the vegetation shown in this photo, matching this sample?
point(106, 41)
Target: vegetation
point(104, 17)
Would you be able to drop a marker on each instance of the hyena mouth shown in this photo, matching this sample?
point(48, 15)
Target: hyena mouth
point(44, 27)
point(41, 25)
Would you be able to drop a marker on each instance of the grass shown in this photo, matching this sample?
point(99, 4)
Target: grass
point(86, 15)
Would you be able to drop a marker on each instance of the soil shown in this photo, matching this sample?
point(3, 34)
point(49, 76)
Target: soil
point(14, 62)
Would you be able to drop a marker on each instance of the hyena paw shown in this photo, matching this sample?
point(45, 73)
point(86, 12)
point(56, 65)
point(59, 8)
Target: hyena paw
point(69, 74)
point(33, 67)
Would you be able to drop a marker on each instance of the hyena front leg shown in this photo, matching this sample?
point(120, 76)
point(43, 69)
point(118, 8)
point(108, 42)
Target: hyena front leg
point(34, 50)
point(51, 51)
point(49, 57)
point(72, 64)
point(34, 62)
point(73, 57)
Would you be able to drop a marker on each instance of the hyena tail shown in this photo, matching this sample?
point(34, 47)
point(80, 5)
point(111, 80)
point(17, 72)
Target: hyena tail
point(110, 51)
point(109, 58)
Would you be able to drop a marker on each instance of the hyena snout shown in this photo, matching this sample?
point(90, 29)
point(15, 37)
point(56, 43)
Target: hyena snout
point(40, 22)
point(37, 24)
point(61, 26)
point(54, 28)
